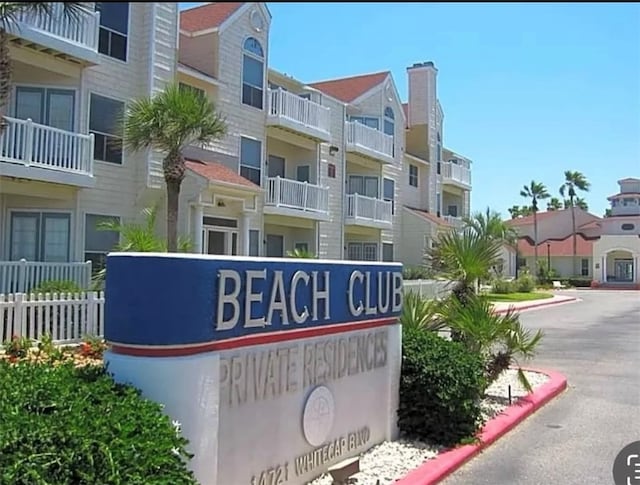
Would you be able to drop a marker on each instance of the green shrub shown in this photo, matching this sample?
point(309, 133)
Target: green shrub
point(441, 387)
point(421, 313)
point(74, 426)
point(57, 286)
point(416, 273)
point(525, 283)
point(584, 282)
point(502, 287)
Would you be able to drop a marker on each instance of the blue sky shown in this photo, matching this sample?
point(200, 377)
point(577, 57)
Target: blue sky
point(528, 90)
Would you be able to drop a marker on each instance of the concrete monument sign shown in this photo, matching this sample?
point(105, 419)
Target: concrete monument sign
point(275, 368)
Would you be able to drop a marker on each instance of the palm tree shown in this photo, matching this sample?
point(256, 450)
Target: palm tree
point(573, 181)
point(10, 13)
point(490, 224)
point(535, 191)
point(607, 213)
point(516, 211)
point(464, 257)
point(554, 204)
point(578, 202)
point(168, 122)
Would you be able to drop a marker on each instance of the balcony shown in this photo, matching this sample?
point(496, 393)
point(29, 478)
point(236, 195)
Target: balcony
point(456, 222)
point(300, 115)
point(369, 142)
point(32, 151)
point(74, 39)
point(293, 198)
point(368, 211)
point(456, 174)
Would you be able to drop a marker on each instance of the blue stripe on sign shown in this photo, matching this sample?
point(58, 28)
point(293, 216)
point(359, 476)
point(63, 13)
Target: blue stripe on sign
point(154, 299)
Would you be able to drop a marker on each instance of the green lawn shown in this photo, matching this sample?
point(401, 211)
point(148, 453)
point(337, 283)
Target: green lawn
point(518, 296)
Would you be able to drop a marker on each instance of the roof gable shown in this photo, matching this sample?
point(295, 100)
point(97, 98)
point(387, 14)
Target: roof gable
point(350, 88)
point(217, 172)
point(208, 16)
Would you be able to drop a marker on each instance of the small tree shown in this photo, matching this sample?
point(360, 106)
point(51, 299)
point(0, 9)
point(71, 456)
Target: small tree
point(168, 122)
point(554, 204)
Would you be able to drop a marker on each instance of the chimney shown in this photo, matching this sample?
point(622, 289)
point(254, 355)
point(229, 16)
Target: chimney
point(422, 92)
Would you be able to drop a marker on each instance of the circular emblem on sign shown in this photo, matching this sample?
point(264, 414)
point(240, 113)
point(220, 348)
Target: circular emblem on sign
point(257, 21)
point(317, 418)
point(626, 467)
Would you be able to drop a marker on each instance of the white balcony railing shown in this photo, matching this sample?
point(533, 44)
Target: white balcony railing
point(32, 144)
point(362, 136)
point(291, 194)
point(81, 30)
point(22, 276)
point(283, 104)
point(456, 222)
point(360, 207)
point(457, 173)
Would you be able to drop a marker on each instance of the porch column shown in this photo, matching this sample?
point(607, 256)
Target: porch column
point(604, 268)
point(198, 213)
point(244, 234)
point(636, 270)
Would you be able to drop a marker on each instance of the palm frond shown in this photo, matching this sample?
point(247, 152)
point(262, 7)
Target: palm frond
point(11, 12)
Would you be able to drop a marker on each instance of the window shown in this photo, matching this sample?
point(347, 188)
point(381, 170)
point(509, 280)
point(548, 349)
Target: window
point(628, 227)
point(438, 204)
point(357, 251)
point(439, 169)
point(387, 252)
point(388, 192)
point(439, 149)
point(40, 236)
point(189, 87)
point(389, 125)
point(104, 116)
point(331, 170)
point(254, 242)
point(98, 242)
point(251, 159)
point(47, 106)
point(363, 185)
point(413, 175)
point(585, 267)
point(252, 73)
point(219, 222)
point(370, 121)
point(114, 27)
point(452, 210)
point(303, 173)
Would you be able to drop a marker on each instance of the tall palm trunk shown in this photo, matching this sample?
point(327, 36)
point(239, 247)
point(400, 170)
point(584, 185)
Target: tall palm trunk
point(575, 238)
point(535, 244)
point(5, 76)
point(174, 170)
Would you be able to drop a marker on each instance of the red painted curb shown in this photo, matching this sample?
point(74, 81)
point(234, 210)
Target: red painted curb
point(536, 305)
point(433, 471)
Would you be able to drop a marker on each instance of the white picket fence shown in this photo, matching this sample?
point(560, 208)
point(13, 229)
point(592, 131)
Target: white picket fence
point(430, 289)
point(66, 317)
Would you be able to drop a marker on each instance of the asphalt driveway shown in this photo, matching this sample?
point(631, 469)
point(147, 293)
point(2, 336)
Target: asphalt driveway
point(575, 438)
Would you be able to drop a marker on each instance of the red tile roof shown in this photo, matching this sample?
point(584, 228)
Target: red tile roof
point(429, 216)
point(523, 221)
point(562, 247)
point(349, 88)
point(216, 172)
point(207, 16)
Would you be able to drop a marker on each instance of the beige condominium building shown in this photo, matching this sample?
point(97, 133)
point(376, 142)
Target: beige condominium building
point(341, 168)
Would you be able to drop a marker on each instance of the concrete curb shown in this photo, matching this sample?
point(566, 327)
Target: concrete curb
point(540, 303)
point(433, 471)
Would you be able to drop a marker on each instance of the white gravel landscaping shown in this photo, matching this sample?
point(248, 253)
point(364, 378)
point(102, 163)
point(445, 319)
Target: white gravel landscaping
point(389, 461)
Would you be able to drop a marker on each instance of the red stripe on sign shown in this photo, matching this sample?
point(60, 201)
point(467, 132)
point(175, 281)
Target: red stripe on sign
point(247, 341)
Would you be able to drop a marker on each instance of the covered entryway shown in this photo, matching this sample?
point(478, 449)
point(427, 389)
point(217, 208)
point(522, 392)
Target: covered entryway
point(620, 267)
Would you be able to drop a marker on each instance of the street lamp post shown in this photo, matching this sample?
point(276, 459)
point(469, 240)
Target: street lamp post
point(548, 258)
